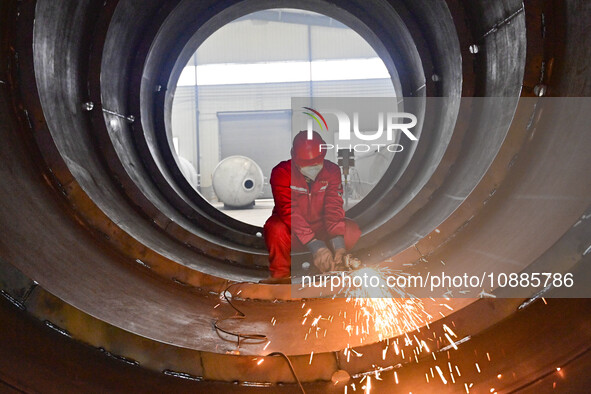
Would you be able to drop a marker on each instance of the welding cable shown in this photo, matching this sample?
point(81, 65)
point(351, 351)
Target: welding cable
point(239, 315)
point(258, 337)
point(295, 376)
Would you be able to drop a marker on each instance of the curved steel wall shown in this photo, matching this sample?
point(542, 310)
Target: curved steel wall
point(101, 237)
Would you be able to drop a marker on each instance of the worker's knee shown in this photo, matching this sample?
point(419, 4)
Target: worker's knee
point(276, 230)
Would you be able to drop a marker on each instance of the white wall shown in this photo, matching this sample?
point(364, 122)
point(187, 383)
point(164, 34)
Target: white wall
point(249, 41)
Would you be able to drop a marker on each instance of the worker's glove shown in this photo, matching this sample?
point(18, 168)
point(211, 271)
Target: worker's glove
point(338, 245)
point(323, 259)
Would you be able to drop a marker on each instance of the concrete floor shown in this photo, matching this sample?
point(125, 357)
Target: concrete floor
point(257, 215)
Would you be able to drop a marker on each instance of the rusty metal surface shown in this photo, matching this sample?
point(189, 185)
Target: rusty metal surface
point(525, 351)
point(38, 359)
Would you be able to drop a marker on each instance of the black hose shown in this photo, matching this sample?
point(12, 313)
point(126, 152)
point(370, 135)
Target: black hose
point(257, 337)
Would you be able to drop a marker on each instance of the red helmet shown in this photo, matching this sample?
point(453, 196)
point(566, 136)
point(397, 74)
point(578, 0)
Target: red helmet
point(307, 152)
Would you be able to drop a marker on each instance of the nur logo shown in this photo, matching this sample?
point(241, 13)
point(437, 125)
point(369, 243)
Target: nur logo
point(401, 121)
point(315, 115)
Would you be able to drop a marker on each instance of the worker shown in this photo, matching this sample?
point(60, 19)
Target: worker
point(308, 212)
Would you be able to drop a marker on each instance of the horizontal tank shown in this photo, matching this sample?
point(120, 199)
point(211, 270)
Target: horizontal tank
point(238, 181)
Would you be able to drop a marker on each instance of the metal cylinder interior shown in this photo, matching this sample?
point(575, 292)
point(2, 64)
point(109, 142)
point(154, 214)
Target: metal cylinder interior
point(103, 237)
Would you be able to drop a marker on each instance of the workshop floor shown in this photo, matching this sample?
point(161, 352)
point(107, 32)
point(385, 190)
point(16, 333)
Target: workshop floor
point(257, 215)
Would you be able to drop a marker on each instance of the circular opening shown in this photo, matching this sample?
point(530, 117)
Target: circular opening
point(234, 99)
point(248, 184)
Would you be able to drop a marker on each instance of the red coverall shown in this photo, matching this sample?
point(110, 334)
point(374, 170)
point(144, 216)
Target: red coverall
point(309, 212)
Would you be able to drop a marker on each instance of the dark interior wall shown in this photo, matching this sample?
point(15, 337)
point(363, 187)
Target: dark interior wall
point(77, 219)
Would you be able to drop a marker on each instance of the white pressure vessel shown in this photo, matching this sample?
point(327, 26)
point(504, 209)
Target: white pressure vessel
point(238, 181)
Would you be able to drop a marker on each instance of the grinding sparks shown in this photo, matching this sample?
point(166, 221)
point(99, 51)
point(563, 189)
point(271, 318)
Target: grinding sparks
point(380, 312)
point(377, 314)
point(441, 374)
point(316, 320)
point(368, 385)
point(446, 328)
point(398, 319)
point(451, 341)
point(401, 323)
